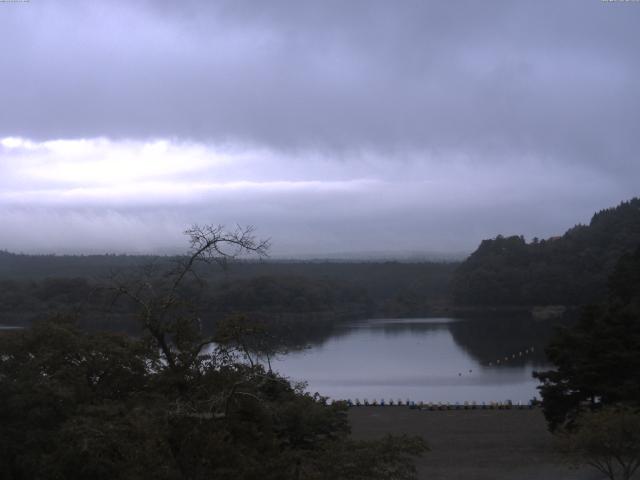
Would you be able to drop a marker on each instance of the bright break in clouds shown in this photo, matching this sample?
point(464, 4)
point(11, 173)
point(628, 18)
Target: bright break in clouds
point(330, 126)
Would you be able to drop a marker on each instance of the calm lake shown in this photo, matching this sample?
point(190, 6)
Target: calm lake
point(424, 359)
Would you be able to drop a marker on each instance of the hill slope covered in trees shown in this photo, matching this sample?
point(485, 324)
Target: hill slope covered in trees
point(568, 270)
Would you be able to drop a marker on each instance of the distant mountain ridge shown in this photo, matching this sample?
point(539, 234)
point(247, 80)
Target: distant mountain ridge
point(567, 270)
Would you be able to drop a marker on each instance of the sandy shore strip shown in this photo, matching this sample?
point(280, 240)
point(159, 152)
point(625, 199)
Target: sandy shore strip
point(473, 444)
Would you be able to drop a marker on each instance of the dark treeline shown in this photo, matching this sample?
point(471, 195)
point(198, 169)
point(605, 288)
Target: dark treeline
point(377, 277)
point(567, 270)
point(34, 267)
point(286, 294)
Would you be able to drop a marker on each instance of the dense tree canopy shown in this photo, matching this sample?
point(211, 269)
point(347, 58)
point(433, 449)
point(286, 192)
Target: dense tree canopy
point(309, 294)
point(567, 270)
point(597, 361)
point(80, 405)
point(164, 394)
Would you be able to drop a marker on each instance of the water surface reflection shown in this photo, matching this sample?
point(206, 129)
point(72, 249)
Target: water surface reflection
point(428, 359)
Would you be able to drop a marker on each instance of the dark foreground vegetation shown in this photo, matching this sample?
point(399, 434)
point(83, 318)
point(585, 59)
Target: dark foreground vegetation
point(591, 399)
point(167, 404)
point(597, 360)
point(75, 405)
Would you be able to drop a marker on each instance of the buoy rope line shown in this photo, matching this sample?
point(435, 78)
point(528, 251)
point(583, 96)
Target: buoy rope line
point(508, 358)
point(506, 405)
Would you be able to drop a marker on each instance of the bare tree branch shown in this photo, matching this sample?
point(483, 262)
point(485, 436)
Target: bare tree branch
point(162, 310)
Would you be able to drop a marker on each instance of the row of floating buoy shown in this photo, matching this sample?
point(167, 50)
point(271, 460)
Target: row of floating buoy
point(513, 356)
point(506, 405)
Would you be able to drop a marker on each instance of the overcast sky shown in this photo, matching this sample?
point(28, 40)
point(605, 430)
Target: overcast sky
point(331, 126)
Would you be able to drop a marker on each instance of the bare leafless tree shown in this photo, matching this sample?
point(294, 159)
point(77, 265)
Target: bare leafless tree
point(155, 290)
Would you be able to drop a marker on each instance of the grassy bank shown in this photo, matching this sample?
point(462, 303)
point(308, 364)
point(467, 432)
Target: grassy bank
point(473, 444)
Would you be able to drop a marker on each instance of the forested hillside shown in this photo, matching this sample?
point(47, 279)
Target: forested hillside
point(568, 270)
point(38, 287)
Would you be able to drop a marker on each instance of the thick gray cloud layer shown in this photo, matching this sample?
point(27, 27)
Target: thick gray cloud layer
point(558, 78)
point(396, 119)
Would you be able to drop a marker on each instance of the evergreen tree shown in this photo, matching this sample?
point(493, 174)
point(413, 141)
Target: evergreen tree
point(598, 360)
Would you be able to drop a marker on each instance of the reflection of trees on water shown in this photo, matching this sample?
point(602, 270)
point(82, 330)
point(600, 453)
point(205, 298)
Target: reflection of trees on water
point(317, 333)
point(489, 340)
point(484, 339)
point(418, 327)
point(298, 331)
